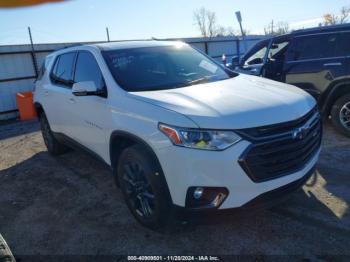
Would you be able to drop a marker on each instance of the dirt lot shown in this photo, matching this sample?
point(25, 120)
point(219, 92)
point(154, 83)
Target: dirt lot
point(70, 205)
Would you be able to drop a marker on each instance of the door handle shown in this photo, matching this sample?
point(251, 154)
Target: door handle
point(333, 64)
point(46, 93)
point(72, 100)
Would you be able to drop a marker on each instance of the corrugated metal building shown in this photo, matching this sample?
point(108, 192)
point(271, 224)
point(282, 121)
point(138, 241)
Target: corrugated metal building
point(19, 64)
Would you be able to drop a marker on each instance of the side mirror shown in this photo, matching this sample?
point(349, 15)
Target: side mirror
point(87, 88)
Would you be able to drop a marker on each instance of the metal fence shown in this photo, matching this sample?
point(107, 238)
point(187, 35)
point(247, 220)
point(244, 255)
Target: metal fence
point(19, 64)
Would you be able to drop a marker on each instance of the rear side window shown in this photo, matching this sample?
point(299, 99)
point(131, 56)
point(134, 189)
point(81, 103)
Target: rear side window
point(44, 67)
point(313, 47)
point(63, 70)
point(41, 71)
point(343, 47)
point(87, 69)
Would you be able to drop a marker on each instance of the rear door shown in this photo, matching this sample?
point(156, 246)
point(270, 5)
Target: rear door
point(343, 50)
point(313, 63)
point(58, 91)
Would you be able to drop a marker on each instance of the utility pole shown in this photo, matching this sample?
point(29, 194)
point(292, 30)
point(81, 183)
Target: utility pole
point(35, 65)
point(107, 31)
point(239, 19)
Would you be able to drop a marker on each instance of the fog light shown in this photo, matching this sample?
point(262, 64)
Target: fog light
point(205, 197)
point(198, 192)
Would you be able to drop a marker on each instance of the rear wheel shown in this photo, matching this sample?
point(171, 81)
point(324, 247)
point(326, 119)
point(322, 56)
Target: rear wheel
point(53, 146)
point(143, 187)
point(341, 115)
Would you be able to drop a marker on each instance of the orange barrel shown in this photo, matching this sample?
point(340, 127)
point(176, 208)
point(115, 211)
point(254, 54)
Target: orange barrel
point(25, 105)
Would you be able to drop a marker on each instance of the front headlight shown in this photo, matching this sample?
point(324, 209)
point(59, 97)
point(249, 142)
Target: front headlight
point(200, 139)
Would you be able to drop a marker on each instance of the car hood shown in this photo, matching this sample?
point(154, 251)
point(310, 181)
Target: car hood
point(240, 102)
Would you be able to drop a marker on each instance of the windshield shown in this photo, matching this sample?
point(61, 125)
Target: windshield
point(161, 67)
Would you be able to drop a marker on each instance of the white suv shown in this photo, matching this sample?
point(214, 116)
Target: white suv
point(178, 129)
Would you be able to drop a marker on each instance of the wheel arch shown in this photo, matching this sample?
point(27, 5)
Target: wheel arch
point(120, 140)
point(331, 95)
point(38, 108)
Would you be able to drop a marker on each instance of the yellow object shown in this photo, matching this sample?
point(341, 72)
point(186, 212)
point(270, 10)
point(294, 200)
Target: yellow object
point(21, 3)
point(201, 143)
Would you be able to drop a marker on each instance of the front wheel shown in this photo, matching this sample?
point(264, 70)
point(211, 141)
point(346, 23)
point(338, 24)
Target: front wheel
point(144, 187)
point(341, 115)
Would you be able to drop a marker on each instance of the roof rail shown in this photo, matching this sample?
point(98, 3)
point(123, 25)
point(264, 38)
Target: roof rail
point(68, 46)
point(322, 28)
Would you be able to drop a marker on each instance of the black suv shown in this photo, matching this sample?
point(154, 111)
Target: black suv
point(316, 60)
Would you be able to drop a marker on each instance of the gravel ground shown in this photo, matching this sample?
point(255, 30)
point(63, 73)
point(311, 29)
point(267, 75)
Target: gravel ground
point(70, 206)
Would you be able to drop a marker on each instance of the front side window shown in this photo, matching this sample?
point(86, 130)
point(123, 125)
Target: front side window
point(87, 69)
point(257, 54)
point(313, 47)
point(63, 69)
point(162, 67)
point(278, 50)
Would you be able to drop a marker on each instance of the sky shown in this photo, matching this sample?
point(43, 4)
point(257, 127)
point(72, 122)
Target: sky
point(86, 20)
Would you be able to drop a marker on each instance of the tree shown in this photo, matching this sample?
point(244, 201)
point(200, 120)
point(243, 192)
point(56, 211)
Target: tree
point(333, 19)
point(205, 20)
point(330, 19)
point(212, 27)
point(230, 31)
point(282, 28)
point(278, 28)
point(221, 31)
point(344, 14)
point(225, 31)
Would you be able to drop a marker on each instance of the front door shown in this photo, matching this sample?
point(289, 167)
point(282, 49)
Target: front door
point(253, 62)
point(275, 58)
point(90, 113)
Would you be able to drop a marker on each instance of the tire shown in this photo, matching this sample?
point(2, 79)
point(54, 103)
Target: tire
point(54, 147)
point(341, 115)
point(144, 187)
point(5, 252)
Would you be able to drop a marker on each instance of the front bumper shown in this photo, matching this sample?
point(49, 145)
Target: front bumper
point(184, 168)
point(261, 202)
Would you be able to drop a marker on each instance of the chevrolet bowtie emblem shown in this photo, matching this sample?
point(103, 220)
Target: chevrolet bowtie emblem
point(300, 132)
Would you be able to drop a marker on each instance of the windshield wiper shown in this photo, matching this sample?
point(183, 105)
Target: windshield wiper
point(205, 79)
point(197, 81)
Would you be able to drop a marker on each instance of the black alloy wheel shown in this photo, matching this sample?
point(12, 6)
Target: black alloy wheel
point(138, 189)
point(144, 187)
